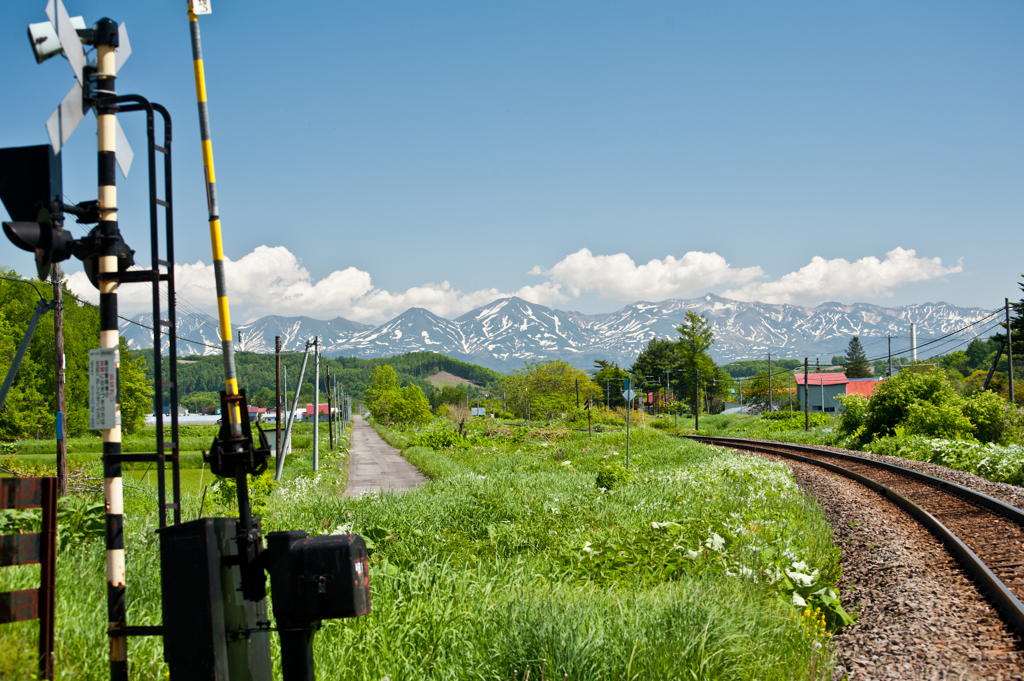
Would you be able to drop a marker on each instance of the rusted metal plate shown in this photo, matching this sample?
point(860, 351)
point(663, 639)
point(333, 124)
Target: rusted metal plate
point(21, 492)
point(19, 549)
point(17, 606)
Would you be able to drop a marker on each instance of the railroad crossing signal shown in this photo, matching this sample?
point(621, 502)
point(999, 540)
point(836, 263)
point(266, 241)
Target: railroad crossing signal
point(66, 34)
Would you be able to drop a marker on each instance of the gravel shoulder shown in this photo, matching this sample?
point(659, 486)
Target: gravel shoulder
point(1009, 494)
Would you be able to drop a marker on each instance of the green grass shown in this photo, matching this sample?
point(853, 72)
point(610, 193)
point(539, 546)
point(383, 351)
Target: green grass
point(512, 554)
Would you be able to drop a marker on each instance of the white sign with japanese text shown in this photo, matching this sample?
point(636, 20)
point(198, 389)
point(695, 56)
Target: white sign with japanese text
point(103, 389)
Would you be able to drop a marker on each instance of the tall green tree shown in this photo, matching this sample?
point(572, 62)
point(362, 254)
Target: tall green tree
point(700, 374)
point(608, 379)
point(856, 361)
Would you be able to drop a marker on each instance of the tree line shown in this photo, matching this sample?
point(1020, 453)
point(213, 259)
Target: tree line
point(30, 408)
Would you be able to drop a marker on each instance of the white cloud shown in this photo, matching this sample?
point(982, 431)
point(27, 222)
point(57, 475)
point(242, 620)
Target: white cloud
point(271, 280)
point(617, 277)
point(839, 279)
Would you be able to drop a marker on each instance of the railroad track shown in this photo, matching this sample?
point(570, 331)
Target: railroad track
point(984, 534)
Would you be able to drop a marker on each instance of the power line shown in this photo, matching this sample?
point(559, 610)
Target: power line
point(132, 321)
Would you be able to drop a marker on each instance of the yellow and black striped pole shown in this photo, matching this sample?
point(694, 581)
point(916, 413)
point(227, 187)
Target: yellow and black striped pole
point(230, 378)
point(113, 491)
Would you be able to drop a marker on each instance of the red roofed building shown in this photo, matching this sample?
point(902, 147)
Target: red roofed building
point(826, 388)
point(324, 408)
point(862, 386)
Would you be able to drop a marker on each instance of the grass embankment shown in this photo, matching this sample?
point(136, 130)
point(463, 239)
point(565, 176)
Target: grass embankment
point(688, 567)
point(988, 460)
point(81, 582)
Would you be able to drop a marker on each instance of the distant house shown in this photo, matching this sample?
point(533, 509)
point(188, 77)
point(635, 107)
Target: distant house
point(826, 388)
point(324, 412)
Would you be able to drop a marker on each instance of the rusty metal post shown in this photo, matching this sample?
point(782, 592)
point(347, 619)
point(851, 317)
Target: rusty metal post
point(58, 361)
point(48, 581)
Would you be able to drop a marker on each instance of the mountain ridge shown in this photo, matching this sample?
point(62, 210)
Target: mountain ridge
point(507, 332)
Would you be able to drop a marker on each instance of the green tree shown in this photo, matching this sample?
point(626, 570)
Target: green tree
point(546, 390)
point(1016, 326)
point(382, 393)
point(608, 379)
point(856, 361)
point(411, 407)
point(448, 394)
point(699, 372)
point(135, 390)
point(265, 398)
point(757, 392)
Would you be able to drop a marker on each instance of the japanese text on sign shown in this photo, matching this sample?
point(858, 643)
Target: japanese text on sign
point(103, 389)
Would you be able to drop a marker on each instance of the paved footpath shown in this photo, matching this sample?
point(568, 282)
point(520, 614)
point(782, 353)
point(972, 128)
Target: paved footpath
point(377, 466)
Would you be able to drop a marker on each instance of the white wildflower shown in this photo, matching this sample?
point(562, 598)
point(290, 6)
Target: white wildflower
point(715, 542)
point(800, 579)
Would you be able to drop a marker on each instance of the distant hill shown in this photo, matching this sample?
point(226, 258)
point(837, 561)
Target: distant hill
point(510, 331)
point(205, 374)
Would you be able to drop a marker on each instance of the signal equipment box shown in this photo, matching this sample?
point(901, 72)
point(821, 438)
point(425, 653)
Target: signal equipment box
point(210, 631)
point(317, 578)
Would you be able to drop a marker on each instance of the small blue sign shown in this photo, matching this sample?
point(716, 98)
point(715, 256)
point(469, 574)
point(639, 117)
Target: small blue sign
point(60, 425)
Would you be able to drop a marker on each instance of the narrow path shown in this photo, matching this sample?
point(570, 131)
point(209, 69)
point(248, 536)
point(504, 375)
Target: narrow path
point(377, 466)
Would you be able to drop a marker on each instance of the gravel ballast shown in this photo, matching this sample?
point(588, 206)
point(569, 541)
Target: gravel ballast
point(919, 614)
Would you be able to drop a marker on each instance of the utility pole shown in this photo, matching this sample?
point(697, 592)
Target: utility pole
point(789, 389)
point(279, 446)
point(316, 403)
point(58, 363)
point(668, 389)
point(629, 408)
point(770, 383)
point(1009, 346)
point(577, 393)
point(807, 407)
point(696, 399)
point(889, 370)
point(330, 406)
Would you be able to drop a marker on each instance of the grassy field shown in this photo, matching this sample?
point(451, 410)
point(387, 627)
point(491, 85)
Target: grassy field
point(525, 545)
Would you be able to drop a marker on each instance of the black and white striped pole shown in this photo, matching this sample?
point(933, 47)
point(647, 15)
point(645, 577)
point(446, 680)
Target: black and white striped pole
point(106, 42)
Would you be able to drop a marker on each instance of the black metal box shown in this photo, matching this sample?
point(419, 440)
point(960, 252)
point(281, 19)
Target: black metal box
point(210, 631)
point(317, 578)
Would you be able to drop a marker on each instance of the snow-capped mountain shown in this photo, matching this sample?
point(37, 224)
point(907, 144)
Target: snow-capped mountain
point(510, 331)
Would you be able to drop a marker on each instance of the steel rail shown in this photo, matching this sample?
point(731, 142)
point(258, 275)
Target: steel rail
point(1000, 594)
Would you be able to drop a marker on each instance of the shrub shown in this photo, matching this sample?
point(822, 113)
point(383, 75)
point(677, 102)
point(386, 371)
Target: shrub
point(943, 420)
point(662, 423)
point(989, 461)
point(852, 416)
point(260, 487)
point(611, 474)
point(441, 438)
point(990, 415)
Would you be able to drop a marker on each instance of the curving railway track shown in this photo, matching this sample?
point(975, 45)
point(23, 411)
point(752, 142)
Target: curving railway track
point(984, 534)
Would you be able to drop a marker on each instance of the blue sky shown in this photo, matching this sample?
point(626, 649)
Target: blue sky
point(373, 156)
